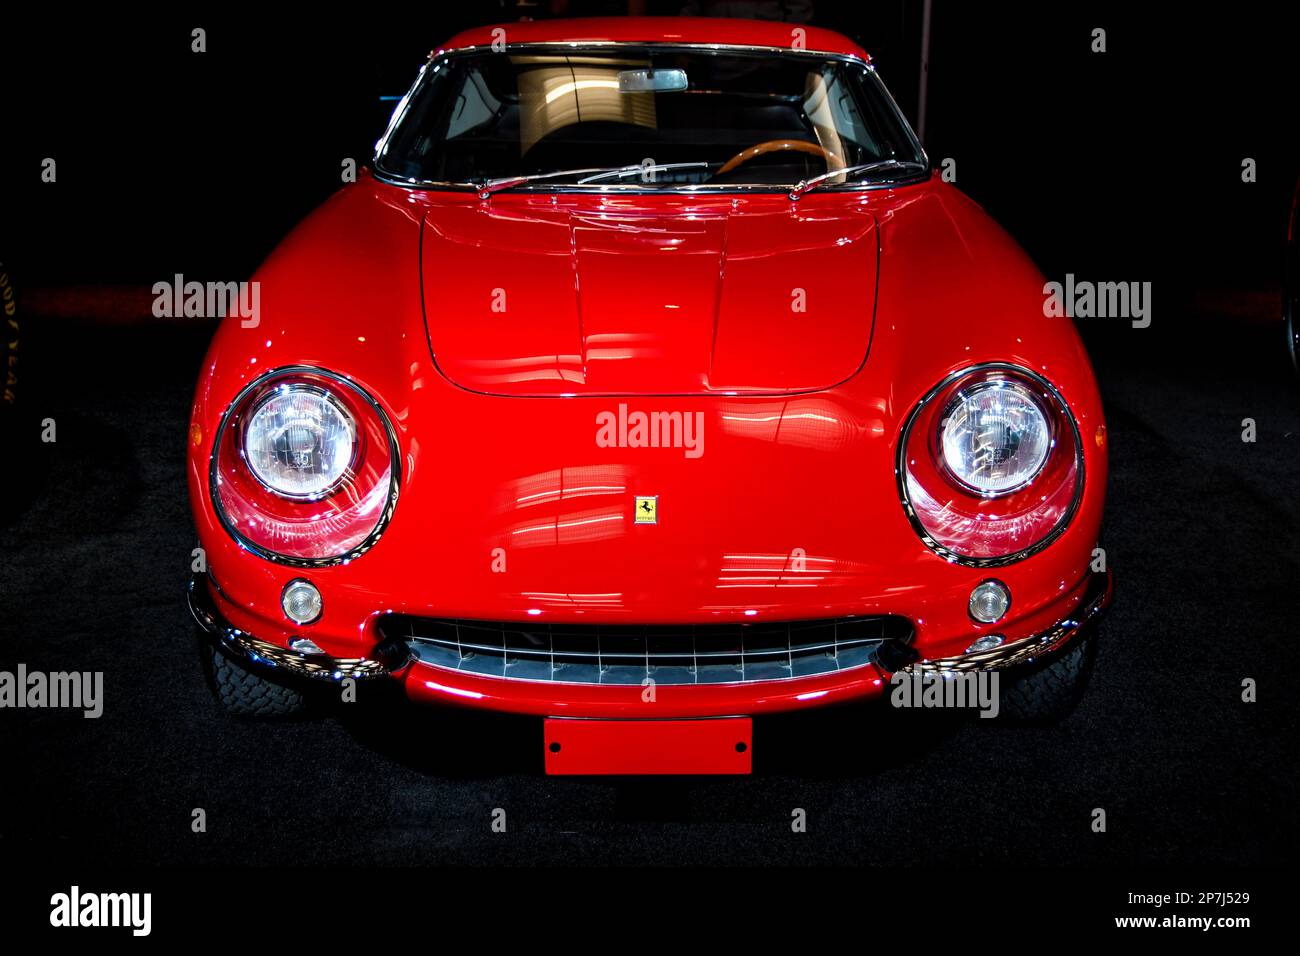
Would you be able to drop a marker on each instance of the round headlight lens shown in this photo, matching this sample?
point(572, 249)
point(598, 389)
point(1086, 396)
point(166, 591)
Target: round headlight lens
point(305, 467)
point(995, 437)
point(990, 464)
point(299, 442)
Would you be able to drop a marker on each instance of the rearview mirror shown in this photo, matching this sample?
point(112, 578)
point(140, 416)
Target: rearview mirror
point(651, 81)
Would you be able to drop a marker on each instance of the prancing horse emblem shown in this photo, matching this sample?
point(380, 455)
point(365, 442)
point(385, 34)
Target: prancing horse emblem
point(646, 509)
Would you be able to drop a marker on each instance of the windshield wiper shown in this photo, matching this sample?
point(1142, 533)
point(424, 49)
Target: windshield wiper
point(490, 186)
point(642, 168)
point(592, 174)
point(806, 185)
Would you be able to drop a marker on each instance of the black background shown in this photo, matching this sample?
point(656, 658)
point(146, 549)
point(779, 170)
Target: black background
point(1119, 163)
point(1122, 166)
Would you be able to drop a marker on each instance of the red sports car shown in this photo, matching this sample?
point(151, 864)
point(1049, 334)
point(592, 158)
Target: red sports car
point(649, 379)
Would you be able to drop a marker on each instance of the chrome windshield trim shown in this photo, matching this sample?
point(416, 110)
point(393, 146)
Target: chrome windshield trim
point(669, 189)
point(608, 44)
point(441, 55)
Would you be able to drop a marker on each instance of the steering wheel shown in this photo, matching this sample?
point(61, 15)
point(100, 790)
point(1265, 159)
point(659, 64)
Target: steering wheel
point(775, 145)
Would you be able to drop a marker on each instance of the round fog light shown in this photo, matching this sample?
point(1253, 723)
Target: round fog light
point(989, 601)
point(301, 601)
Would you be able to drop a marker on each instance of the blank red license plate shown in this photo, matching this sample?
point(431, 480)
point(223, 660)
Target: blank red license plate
point(709, 745)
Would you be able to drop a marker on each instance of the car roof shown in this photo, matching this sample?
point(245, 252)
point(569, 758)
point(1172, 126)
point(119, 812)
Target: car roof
point(685, 30)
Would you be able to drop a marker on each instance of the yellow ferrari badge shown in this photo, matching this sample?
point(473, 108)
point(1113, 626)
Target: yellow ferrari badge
point(647, 509)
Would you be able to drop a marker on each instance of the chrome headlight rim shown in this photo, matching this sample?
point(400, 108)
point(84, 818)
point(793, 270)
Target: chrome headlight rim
point(900, 467)
point(395, 469)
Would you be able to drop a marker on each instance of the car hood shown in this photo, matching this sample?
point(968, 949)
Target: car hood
point(576, 295)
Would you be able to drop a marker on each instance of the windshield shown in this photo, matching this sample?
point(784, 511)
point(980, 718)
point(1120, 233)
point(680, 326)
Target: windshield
point(650, 117)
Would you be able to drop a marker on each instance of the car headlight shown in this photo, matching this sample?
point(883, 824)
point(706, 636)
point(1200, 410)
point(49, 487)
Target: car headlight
point(305, 468)
point(299, 441)
point(995, 437)
point(990, 465)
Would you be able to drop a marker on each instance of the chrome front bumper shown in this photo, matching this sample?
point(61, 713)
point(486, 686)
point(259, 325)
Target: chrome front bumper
point(394, 655)
point(1030, 649)
point(320, 667)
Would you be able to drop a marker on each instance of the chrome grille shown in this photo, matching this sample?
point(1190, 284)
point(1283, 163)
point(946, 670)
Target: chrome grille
point(667, 654)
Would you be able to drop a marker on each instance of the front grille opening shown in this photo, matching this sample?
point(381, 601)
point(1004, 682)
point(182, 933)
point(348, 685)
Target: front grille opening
point(667, 654)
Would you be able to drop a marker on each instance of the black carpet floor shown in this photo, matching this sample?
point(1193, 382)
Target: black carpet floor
point(1203, 532)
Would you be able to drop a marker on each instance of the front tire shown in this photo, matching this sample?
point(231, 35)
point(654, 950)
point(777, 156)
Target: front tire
point(242, 693)
point(1050, 691)
point(21, 449)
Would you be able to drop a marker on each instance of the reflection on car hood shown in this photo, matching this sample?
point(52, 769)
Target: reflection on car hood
point(528, 296)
